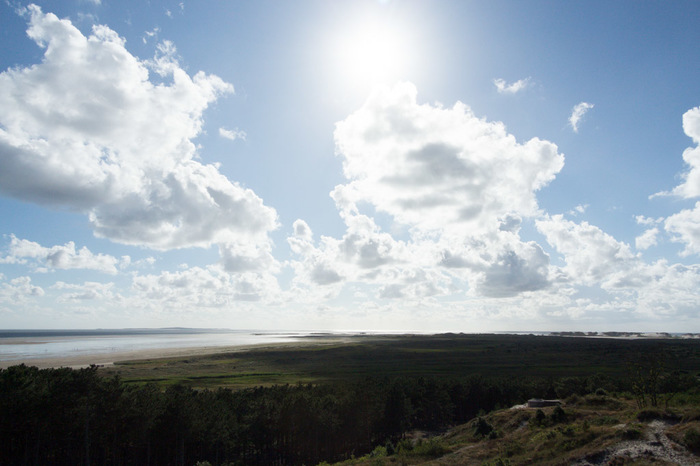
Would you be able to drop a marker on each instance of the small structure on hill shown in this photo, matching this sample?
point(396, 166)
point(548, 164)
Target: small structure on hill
point(540, 403)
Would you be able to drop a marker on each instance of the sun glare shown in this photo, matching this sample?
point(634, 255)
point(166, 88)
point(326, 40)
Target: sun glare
point(372, 53)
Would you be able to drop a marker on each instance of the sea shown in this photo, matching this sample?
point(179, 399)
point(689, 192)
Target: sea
point(25, 345)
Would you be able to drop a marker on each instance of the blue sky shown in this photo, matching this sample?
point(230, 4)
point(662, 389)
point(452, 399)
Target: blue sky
point(367, 165)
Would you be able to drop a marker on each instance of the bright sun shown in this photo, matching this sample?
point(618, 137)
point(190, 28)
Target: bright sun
point(372, 53)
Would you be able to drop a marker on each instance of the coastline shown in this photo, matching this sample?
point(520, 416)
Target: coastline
point(111, 358)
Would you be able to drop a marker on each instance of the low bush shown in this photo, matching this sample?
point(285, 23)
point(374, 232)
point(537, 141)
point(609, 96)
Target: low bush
point(604, 402)
point(379, 452)
point(691, 439)
point(431, 447)
point(631, 433)
point(497, 462)
point(404, 446)
point(647, 415)
point(606, 421)
point(481, 428)
point(558, 415)
point(540, 419)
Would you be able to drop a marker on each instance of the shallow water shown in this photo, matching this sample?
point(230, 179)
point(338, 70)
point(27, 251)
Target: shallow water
point(18, 345)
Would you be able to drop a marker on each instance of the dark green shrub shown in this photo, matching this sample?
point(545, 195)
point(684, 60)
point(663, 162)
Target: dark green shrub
point(379, 452)
point(390, 449)
point(558, 415)
point(631, 433)
point(497, 462)
point(691, 439)
point(404, 446)
point(568, 431)
point(606, 421)
point(481, 427)
point(431, 447)
point(646, 415)
point(540, 418)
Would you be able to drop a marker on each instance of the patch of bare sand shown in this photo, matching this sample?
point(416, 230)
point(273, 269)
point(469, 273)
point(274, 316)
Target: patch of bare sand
point(656, 446)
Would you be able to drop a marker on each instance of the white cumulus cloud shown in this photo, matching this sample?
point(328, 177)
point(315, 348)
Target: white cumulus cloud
point(684, 227)
point(18, 290)
point(88, 291)
point(592, 256)
point(62, 257)
point(433, 168)
point(462, 186)
point(690, 188)
point(89, 130)
point(624, 283)
point(647, 239)
point(199, 288)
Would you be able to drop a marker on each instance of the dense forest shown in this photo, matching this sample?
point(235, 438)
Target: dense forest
point(66, 416)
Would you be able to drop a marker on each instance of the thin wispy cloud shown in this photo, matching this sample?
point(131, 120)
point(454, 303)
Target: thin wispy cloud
point(232, 134)
point(579, 209)
point(577, 114)
point(505, 88)
point(150, 34)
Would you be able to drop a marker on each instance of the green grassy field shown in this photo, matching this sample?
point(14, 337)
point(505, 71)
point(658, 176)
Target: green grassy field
point(446, 355)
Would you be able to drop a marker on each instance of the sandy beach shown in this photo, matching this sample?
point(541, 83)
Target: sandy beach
point(106, 359)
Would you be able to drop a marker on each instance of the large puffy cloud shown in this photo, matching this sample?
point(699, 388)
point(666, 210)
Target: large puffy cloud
point(671, 291)
point(436, 168)
point(90, 128)
point(690, 187)
point(366, 255)
point(88, 291)
point(461, 184)
point(18, 290)
point(684, 226)
point(198, 287)
point(498, 264)
point(503, 270)
point(64, 257)
point(592, 256)
point(627, 284)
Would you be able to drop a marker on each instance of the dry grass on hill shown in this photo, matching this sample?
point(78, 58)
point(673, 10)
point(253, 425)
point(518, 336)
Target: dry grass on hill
point(592, 430)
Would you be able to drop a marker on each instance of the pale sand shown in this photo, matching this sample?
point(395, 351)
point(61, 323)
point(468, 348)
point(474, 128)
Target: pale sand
point(107, 359)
